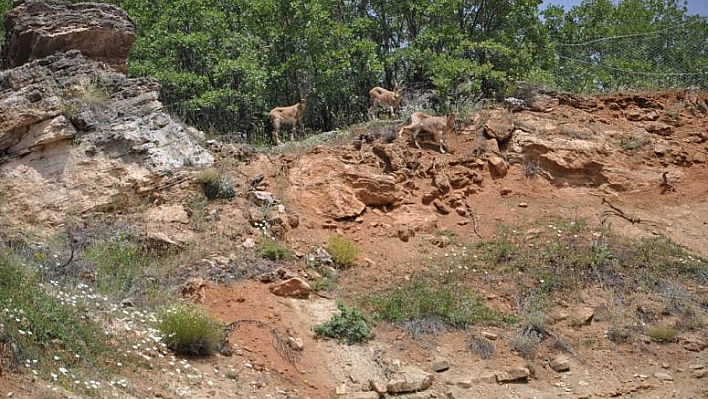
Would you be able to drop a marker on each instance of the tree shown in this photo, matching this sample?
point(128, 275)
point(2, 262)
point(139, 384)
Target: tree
point(634, 43)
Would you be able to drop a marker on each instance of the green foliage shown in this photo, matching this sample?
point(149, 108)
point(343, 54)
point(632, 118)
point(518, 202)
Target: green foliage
point(118, 264)
point(224, 64)
point(215, 185)
point(271, 249)
point(350, 325)
point(635, 141)
point(343, 251)
point(562, 256)
point(662, 333)
point(605, 45)
point(435, 296)
point(43, 327)
point(499, 249)
point(189, 330)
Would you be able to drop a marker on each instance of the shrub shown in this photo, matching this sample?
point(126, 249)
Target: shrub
point(118, 264)
point(351, 325)
point(188, 329)
point(526, 342)
point(215, 185)
point(343, 251)
point(635, 141)
point(434, 296)
point(482, 347)
point(618, 334)
point(662, 333)
point(33, 319)
point(272, 249)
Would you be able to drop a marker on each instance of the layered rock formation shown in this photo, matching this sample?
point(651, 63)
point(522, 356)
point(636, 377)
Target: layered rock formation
point(34, 30)
point(75, 132)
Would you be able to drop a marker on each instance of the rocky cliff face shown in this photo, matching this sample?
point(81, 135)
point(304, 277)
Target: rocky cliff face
point(34, 30)
point(75, 132)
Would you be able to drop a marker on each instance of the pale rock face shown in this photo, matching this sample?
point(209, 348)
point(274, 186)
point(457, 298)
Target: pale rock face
point(76, 134)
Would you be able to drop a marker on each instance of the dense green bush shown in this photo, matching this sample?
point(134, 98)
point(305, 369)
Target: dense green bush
point(215, 185)
point(435, 296)
point(41, 325)
point(343, 251)
point(269, 248)
point(350, 325)
point(662, 333)
point(188, 329)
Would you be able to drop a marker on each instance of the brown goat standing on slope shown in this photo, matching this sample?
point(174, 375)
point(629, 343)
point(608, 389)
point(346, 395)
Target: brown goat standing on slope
point(292, 115)
point(437, 126)
point(390, 100)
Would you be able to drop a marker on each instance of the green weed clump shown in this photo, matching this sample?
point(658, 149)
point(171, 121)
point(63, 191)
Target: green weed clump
point(34, 324)
point(189, 330)
point(343, 251)
point(662, 333)
point(215, 185)
point(435, 296)
point(118, 264)
point(273, 250)
point(351, 326)
point(634, 142)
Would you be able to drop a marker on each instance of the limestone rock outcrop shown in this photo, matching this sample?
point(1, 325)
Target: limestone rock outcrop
point(75, 133)
point(35, 30)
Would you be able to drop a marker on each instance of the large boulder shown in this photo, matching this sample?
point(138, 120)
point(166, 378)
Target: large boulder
point(76, 134)
point(333, 189)
point(68, 98)
point(34, 30)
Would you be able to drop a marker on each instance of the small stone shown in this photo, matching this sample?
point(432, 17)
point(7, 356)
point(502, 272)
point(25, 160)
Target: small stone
point(700, 373)
point(249, 243)
point(341, 389)
point(523, 205)
point(441, 365)
point(296, 343)
point(502, 376)
point(660, 150)
point(514, 374)
point(585, 315)
point(440, 207)
point(410, 379)
point(293, 288)
point(497, 167)
point(489, 378)
point(560, 364)
point(505, 191)
point(663, 376)
point(377, 386)
point(518, 373)
point(468, 382)
point(489, 335)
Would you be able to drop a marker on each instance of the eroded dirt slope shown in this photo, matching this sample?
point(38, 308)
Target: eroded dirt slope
point(645, 154)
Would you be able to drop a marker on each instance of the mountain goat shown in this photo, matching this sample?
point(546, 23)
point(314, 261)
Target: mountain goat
point(437, 126)
point(292, 115)
point(390, 100)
